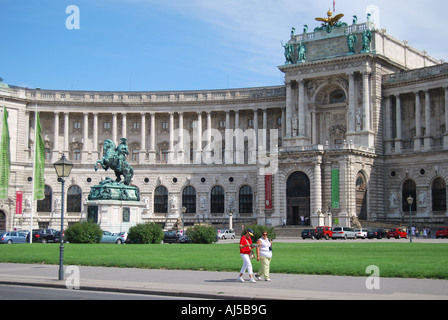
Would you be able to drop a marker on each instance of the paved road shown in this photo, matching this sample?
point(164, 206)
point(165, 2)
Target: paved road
point(223, 285)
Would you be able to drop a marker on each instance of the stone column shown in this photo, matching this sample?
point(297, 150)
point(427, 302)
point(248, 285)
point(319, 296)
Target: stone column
point(56, 138)
point(398, 124)
point(388, 125)
point(418, 122)
point(95, 152)
point(171, 142)
point(228, 143)
point(254, 152)
point(208, 137)
point(445, 136)
point(66, 149)
point(198, 142)
point(152, 144)
point(124, 126)
point(366, 101)
point(283, 122)
point(85, 138)
point(428, 134)
point(301, 112)
point(317, 187)
point(289, 111)
point(238, 152)
point(181, 151)
point(114, 128)
point(142, 152)
point(351, 103)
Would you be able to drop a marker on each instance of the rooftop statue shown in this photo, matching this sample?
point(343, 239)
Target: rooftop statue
point(330, 22)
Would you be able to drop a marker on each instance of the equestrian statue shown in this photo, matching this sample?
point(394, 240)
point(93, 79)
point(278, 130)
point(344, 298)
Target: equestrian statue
point(115, 158)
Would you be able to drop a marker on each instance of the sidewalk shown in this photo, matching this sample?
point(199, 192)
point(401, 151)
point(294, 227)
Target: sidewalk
point(223, 285)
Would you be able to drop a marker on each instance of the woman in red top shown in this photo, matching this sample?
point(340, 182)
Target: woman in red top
point(245, 250)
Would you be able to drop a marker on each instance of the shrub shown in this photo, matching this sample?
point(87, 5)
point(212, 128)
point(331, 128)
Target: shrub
point(84, 232)
point(146, 233)
point(202, 234)
point(258, 230)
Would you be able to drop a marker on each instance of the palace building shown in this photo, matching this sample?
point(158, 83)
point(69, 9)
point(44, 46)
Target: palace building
point(359, 126)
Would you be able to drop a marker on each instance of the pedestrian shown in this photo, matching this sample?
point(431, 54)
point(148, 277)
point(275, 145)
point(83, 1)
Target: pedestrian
point(264, 255)
point(425, 235)
point(283, 223)
point(245, 250)
point(302, 220)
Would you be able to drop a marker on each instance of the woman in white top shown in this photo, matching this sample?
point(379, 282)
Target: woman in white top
point(264, 255)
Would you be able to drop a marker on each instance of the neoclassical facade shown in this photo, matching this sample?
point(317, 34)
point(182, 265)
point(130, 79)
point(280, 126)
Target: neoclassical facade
point(359, 125)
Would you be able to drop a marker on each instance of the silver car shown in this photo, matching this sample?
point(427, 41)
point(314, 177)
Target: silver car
point(343, 233)
point(13, 237)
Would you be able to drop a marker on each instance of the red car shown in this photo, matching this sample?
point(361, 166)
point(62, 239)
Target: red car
point(442, 232)
point(397, 234)
point(323, 232)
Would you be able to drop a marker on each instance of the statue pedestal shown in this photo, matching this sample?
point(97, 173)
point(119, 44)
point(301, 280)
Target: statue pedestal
point(115, 216)
point(114, 207)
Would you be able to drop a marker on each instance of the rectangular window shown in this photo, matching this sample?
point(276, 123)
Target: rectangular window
point(126, 214)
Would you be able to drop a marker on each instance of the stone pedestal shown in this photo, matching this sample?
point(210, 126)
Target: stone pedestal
point(115, 216)
point(114, 207)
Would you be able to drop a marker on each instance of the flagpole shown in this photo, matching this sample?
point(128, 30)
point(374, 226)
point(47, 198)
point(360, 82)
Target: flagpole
point(34, 174)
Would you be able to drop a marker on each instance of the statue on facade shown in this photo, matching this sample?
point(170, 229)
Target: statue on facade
point(115, 158)
point(289, 53)
point(352, 41)
point(302, 52)
point(366, 40)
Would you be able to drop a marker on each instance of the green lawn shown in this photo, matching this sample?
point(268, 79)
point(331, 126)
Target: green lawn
point(417, 260)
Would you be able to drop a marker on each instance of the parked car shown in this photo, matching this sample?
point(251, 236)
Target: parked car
point(170, 237)
point(343, 233)
point(44, 235)
point(13, 237)
point(442, 232)
point(361, 233)
point(376, 233)
point(308, 233)
point(323, 232)
point(124, 236)
point(226, 234)
point(184, 239)
point(397, 233)
point(109, 237)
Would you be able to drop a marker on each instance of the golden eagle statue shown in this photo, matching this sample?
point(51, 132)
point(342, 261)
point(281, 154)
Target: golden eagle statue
point(330, 21)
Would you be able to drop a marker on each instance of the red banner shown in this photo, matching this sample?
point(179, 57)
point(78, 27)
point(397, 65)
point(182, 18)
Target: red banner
point(19, 197)
point(268, 192)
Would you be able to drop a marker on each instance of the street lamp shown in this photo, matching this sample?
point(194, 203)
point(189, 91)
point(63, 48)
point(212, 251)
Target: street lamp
point(410, 200)
point(184, 209)
point(63, 168)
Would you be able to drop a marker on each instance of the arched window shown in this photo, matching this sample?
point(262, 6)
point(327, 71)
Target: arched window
point(74, 199)
point(245, 200)
point(161, 200)
point(409, 189)
point(439, 195)
point(44, 205)
point(217, 200)
point(189, 199)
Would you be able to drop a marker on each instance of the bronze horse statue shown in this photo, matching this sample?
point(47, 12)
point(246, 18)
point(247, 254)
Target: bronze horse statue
point(115, 158)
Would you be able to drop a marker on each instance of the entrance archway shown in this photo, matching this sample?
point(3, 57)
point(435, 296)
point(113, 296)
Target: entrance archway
point(298, 194)
point(361, 196)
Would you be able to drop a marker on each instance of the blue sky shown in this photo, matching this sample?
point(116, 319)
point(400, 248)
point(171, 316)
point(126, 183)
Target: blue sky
point(163, 45)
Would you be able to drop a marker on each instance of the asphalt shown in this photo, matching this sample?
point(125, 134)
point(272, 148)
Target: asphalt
point(222, 285)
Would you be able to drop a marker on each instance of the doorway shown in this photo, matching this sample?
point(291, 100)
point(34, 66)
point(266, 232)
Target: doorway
point(2, 221)
point(298, 199)
point(361, 196)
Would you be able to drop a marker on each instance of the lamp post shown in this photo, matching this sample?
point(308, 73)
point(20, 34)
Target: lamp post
point(410, 200)
point(184, 209)
point(63, 168)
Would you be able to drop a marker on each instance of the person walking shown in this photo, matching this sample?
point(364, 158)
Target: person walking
point(245, 250)
point(264, 255)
